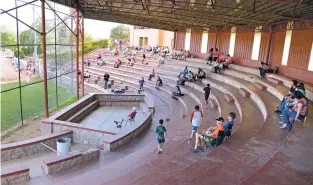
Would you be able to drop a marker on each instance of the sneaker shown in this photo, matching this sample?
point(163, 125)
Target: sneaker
point(158, 152)
point(189, 141)
point(284, 126)
point(119, 126)
point(115, 122)
point(194, 150)
point(277, 111)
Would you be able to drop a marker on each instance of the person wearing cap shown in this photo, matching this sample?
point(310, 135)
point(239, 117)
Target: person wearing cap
point(130, 116)
point(210, 134)
point(195, 119)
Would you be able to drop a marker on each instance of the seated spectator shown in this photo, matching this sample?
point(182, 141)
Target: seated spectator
point(152, 74)
point(161, 60)
point(191, 77)
point(159, 82)
point(87, 76)
point(186, 70)
point(130, 116)
point(130, 62)
point(226, 125)
point(99, 57)
point(200, 75)
point(115, 52)
point(188, 54)
point(209, 135)
point(298, 111)
point(118, 91)
point(300, 87)
point(117, 63)
point(264, 69)
point(221, 58)
point(141, 82)
point(177, 92)
point(144, 58)
point(227, 62)
point(287, 98)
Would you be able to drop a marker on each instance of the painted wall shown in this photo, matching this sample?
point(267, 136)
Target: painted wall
point(271, 45)
point(155, 37)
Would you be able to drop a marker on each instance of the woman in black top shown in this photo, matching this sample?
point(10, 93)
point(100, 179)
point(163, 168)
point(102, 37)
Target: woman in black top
point(207, 92)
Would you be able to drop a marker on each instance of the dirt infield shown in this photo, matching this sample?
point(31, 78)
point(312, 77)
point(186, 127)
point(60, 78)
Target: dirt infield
point(9, 72)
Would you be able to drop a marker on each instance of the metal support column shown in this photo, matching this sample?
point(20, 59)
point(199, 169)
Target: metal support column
point(44, 58)
point(83, 67)
point(77, 54)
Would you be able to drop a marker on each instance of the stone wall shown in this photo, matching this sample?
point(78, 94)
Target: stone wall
point(114, 142)
point(14, 175)
point(80, 134)
point(31, 146)
point(59, 163)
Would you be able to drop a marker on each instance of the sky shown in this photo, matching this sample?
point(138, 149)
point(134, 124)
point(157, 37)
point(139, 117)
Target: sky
point(98, 29)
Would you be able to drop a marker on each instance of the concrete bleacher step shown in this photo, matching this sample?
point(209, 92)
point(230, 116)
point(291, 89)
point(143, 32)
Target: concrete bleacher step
point(213, 104)
point(259, 86)
point(228, 98)
point(82, 113)
point(275, 81)
point(244, 93)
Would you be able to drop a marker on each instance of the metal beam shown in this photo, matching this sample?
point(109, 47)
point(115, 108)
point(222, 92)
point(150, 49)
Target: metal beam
point(77, 54)
point(44, 58)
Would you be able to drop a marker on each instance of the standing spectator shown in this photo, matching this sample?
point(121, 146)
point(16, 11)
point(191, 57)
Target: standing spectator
point(88, 63)
point(195, 119)
point(215, 55)
point(141, 82)
point(87, 76)
point(210, 57)
point(207, 92)
point(28, 75)
point(160, 131)
point(143, 58)
point(186, 70)
point(106, 77)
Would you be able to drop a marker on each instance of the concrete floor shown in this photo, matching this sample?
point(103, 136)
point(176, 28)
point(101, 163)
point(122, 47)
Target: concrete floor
point(103, 119)
point(34, 161)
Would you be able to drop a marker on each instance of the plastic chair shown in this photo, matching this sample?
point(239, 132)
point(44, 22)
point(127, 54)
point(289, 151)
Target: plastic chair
point(131, 120)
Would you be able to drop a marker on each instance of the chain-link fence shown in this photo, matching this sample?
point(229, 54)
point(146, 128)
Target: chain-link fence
point(22, 79)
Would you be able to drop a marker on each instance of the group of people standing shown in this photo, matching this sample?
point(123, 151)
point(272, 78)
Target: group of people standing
point(218, 60)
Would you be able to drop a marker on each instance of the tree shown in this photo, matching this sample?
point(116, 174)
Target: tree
point(7, 38)
point(120, 32)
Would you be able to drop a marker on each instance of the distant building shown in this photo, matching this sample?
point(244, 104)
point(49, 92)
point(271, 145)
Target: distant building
point(142, 36)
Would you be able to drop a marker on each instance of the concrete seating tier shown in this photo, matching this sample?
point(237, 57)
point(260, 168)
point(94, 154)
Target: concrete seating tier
point(250, 156)
point(244, 92)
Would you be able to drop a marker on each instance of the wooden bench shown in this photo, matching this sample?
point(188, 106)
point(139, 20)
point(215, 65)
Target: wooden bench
point(244, 93)
point(259, 86)
point(229, 98)
point(213, 104)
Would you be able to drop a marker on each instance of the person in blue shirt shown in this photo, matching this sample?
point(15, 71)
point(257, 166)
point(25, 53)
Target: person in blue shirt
point(230, 121)
point(141, 82)
point(186, 70)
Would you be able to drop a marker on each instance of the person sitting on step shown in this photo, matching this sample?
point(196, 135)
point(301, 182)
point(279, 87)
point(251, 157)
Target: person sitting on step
point(152, 74)
point(264, 69)
point(209, 135)
point(144, 59)
point(130, 116)
point(287, 98)
point(227, 62)
point(177, 91)
point(230, 121)
point(298, 110)
point(159, 82)
point(200, 75)
point(191, 77)
point(117, 63)
point(87, 76)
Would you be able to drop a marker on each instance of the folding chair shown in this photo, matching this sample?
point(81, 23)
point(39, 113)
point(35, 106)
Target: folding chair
point(131, 120)
point(215, 142)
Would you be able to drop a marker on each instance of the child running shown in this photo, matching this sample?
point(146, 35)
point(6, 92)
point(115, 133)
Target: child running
point(141, 82)
point(160, 130)
point(196, 119)
point(207, 92)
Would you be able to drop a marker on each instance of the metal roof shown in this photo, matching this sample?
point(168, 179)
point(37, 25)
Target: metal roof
point(200, 14)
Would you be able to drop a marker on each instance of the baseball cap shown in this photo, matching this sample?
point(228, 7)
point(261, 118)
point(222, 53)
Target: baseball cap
point(220, 119)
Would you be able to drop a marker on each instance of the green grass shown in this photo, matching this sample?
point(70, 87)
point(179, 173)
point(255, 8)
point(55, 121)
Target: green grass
point(32, 101)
